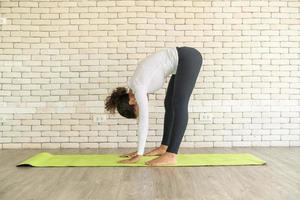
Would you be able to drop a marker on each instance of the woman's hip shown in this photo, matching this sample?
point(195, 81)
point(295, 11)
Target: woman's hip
point(189, 57)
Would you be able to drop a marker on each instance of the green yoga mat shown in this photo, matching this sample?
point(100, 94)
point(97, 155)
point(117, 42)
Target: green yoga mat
point(45, 159)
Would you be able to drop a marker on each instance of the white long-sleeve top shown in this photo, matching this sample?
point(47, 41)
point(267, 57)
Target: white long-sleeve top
point(148, 77)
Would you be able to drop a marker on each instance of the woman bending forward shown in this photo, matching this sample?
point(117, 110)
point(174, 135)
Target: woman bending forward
point(183, 64)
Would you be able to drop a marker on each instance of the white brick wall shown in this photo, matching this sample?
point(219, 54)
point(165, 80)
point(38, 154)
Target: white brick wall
point(60, 59)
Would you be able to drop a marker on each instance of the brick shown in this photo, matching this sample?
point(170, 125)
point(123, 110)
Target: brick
point(75, 52)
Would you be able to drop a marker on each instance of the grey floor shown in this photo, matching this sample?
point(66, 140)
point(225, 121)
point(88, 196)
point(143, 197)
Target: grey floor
point(279, 179)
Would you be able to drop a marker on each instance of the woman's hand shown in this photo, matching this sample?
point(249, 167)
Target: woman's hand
point(133, 159)
point(129, 155)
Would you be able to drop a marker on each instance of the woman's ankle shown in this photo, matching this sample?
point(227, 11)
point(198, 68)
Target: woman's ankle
point(163, 147)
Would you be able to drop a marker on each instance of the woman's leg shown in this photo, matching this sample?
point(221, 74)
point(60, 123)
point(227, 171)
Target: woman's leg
point(168, 119)
point(189, 65)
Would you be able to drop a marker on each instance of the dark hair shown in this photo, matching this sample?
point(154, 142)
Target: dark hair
point(119, 99)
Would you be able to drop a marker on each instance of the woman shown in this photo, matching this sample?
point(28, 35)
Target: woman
point(184, 63)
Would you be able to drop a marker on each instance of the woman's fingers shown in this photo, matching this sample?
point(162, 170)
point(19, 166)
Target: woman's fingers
point(129, 155)
point(125, 161)
point(132, 155)
point(121, 161)
point(124, 155)
point(133, 159)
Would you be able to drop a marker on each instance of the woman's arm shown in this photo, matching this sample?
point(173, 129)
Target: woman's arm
point(143, 118)
point(142, 101)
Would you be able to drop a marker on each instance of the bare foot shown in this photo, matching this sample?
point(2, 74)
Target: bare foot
point(165, 159)
point(157, 151)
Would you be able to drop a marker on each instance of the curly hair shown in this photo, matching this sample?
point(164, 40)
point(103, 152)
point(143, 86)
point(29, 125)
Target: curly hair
point(119, 99)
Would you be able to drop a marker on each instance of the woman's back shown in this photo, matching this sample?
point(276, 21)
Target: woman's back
point(153, 69)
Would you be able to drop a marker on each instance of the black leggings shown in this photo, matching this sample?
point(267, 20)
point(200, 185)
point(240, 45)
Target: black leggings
point(178, 93)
